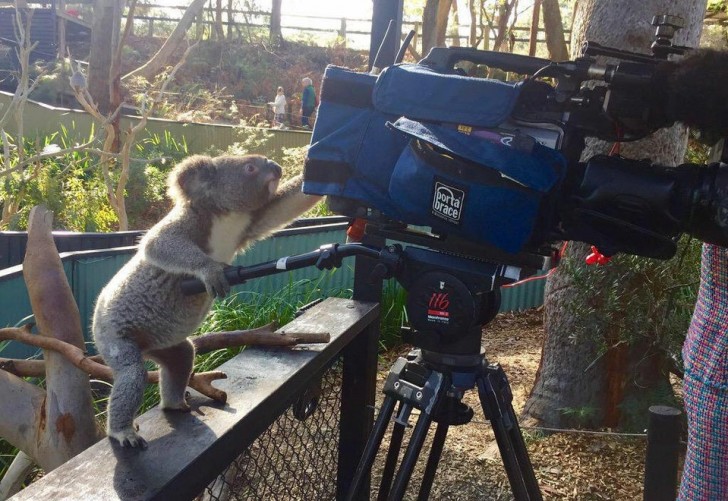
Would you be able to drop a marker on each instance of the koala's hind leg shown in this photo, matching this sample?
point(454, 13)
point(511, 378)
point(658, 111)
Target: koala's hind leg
point(125, 359)
point(175, 364)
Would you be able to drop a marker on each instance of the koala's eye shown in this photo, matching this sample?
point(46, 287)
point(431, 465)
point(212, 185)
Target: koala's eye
point(250, 168)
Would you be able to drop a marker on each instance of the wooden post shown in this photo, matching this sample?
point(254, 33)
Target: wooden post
point(231, 20)
point(61, 30)
point(358, 392)
point(342, 31)
point(533, 40)
point(663, 444)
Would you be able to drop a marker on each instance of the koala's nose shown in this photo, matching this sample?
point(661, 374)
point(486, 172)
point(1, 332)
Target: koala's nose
point(275, 168)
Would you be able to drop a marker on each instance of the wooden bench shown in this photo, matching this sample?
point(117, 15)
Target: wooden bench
point(187, 451)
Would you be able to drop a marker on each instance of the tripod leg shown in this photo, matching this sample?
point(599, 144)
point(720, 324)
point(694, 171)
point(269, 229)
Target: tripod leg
point(410, 456)
point(372, 445)
point(495, 398)
point(438, 443)
point(521, 452)
point(395, 445)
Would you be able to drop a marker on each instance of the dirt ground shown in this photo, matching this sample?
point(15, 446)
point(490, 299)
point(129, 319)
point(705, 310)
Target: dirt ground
point(570, 466)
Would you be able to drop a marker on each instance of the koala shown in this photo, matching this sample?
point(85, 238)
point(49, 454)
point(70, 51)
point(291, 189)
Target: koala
point(221, 206)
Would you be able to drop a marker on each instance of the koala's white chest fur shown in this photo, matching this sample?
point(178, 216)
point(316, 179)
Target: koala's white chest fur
point(225, 235)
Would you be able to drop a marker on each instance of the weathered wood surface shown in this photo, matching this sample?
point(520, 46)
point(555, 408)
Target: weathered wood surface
point(187, 450)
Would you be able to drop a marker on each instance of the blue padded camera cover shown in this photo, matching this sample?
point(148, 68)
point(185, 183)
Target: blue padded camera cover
point(479, 189)
point(352, 152)
point(420, 93)
point(491, 184)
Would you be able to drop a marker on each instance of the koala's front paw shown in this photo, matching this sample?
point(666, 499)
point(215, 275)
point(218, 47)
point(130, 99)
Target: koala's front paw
point(128, 438)
point(214, 279)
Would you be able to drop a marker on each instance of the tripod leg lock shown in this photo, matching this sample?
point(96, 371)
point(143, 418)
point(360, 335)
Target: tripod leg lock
point(414, 385)
point(498, 392)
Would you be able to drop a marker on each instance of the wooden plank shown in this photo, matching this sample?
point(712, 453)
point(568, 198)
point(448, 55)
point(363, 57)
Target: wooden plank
point(187, 451)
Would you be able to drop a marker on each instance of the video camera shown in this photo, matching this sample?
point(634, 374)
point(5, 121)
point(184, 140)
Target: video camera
point(492, 170)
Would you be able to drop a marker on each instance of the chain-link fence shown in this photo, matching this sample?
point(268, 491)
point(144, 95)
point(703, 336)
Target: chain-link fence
point(297, 456)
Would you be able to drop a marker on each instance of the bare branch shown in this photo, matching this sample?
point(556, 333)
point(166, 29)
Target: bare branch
point(42, 156)
point(128, 28)
point(200, 381)
point(203, 344)
point(261, 336)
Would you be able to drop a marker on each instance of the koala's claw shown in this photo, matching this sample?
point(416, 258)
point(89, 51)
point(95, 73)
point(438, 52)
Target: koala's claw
point(128, 438)
point(180, 407)
point(215, 282)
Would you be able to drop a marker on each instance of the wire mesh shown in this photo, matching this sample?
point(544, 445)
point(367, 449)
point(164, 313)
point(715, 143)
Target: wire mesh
point(296, 457)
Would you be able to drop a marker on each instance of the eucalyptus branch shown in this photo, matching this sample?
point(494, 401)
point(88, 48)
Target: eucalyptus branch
point(6, 147)
point(199, 381)
point(204, 343)
point(128, 28)
point(43, 156)
point(176, 67)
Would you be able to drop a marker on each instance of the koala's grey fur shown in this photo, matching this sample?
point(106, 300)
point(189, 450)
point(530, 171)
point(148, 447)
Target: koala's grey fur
point(221, 205)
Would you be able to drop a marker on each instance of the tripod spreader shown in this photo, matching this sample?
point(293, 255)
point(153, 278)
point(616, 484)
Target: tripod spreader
point(436, 390)
point(325, 257)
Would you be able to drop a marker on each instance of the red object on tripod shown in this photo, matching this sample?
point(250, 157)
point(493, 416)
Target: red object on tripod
point(355, 232)
point(597, 257)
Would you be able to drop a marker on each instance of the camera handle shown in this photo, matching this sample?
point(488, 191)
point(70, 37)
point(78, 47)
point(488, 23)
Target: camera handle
point(325, 257)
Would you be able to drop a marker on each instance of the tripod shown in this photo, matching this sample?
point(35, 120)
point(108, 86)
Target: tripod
point(435, 383)
point(450, 299)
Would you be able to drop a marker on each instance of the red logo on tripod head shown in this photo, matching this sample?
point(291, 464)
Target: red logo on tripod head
point(438, 305)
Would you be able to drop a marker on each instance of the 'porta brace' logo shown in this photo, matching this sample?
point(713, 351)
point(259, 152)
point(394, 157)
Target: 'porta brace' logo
point(447, 202)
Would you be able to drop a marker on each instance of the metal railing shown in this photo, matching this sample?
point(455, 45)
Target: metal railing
point(281, 434)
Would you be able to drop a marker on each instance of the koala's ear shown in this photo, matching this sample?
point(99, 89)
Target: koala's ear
point(192, 179)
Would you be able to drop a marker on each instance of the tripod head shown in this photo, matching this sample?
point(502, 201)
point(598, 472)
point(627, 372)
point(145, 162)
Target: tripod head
point(450, 297)
point(449, 301)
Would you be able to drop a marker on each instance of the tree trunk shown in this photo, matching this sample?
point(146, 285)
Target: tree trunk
point(473, 39)
point(443, 13)
point(533, 38)
point(554, 31)
point(574, 374)
point(156, 64)
point(276, 36)
point(101, 54)
point(15, 475)
point(54, 425)
point(429, 26)
point(68, 425)
point(455, 26)
point(219, 32)
point(231, 19)
point(505, 9)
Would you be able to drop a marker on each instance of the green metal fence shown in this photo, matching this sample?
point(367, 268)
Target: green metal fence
point(89, 271)
point(42, 120)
